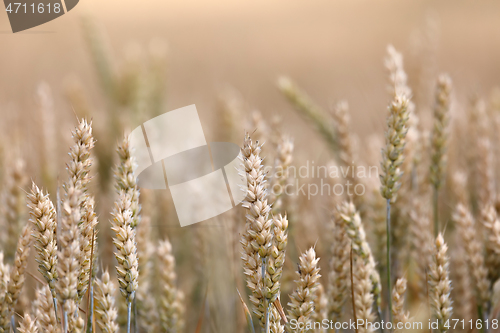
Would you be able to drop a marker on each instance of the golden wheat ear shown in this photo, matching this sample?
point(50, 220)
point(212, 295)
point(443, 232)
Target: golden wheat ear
point(302, 299)
point(440, 284)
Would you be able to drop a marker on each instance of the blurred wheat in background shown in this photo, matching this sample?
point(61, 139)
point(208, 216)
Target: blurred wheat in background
point(318, 241)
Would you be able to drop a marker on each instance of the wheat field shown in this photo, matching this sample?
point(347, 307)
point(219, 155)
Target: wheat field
point(369, 209)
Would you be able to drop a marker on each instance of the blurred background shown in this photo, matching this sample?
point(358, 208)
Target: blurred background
point(122, 62)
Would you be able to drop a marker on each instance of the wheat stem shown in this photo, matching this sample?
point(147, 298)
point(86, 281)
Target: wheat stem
point(388, 253)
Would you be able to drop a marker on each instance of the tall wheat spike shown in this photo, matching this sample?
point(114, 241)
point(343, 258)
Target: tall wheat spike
point(256, 239)
point(398, 299)
point(14, 207)
point(440, 284)
point(301, 304)
point(338, 278)
point(170, 301)
point(43, 218)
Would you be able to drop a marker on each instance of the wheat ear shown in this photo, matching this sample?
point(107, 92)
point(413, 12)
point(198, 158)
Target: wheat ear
point(362, 292)
point(281, 173)
point(126, 250)
point(44, 311)
point(421, 238)
point(398, 302)
point(126, 179)
point(301, 304)
point(43, 218)
point(4, 277)
point(320, 306)
point(256, 239)
point(275, 266)
point(170, 307)
point(475, 260)
point(306, 107)
point(356, 232)
point(392, 158)
point(440, 284)
point(27, 325)
point(14, 207)
point(16, 279)
point(439, 138)
point(105, 309)
point(68, 254)
point(491, 224)
point(88, 245)
point(338, 278)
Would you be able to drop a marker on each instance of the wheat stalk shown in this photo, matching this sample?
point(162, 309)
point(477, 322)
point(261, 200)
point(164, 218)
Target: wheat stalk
point(392, 158)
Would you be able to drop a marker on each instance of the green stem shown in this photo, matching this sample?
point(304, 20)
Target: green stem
point(388, 229)
point(129, 311)
point(436, 219)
